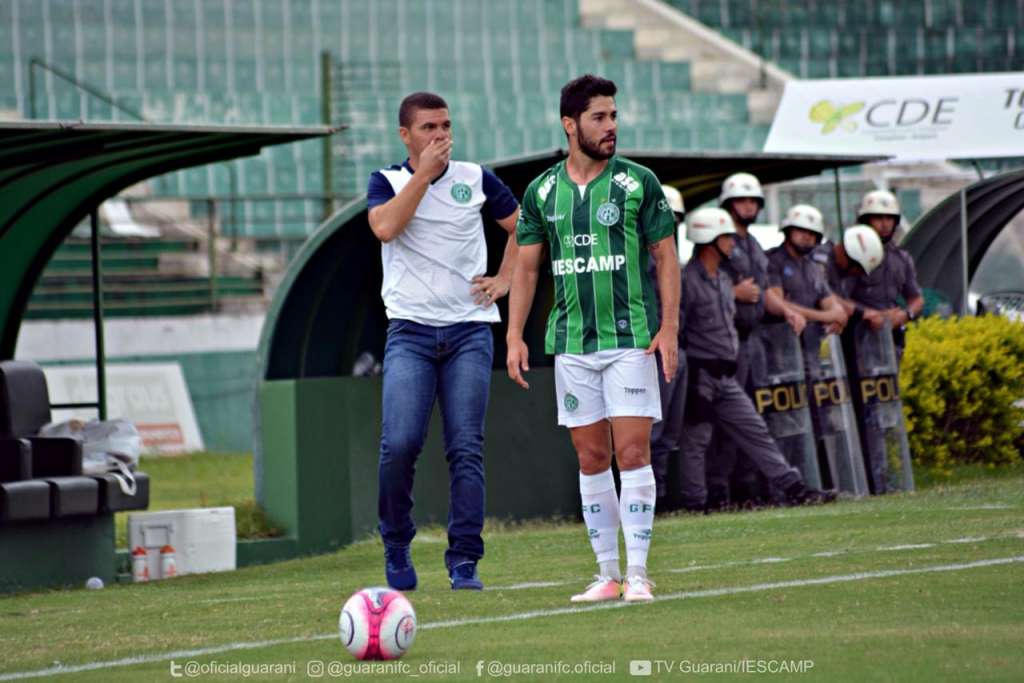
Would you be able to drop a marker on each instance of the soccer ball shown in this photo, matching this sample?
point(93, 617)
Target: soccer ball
point(377, 623)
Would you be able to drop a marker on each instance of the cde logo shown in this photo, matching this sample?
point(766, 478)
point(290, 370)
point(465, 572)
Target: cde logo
point(608, 214)
point(589, 240)
point(831, 116)
point(462, 193)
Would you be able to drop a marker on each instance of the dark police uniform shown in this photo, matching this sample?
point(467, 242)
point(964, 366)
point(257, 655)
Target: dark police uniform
point(747, 260)
point(715, 398)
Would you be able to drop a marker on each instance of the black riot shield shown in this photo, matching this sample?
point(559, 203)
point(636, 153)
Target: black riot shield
point(879, 409)
point(780, 396)
point(835, 421)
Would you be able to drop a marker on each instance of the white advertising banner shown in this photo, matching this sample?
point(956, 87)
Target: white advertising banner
point(151, 395)
point(912, 117)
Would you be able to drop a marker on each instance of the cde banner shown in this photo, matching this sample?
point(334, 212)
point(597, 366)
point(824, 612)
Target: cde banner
point(906, 117)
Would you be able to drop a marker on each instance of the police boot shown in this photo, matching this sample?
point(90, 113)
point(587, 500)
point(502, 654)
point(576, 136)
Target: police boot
point(799, 493)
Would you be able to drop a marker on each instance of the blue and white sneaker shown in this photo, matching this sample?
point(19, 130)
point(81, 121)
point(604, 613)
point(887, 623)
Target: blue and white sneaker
point(463, 576)
point(398, 567)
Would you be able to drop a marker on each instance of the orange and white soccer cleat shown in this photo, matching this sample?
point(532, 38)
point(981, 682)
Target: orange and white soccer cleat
point(603, 589)
point(637, 589)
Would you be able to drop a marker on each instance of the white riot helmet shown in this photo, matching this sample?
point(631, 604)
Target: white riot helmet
point(740, 185)
point(704, 225)
point(806, 217)
point(878, 202)
point(674, 197)
point(863, 245)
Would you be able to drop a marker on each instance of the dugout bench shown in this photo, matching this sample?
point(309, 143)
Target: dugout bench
point(56, 524)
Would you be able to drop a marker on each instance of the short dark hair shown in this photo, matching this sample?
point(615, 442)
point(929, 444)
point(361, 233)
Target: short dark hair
point(577, 93)
point(416, 101)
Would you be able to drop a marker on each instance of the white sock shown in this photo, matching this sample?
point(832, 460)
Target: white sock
point(636, 508)
point(601, 515)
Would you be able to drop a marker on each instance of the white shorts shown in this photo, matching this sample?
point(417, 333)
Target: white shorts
point(591, 387)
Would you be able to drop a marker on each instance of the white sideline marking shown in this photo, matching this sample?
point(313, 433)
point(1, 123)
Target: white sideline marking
point(987, 506)
point(522, 616)
point(905, 546)
point(967, 539)
point(530, 584)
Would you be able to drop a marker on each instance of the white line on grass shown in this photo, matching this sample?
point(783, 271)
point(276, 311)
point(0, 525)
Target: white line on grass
point(521, 616)
point(905, 546)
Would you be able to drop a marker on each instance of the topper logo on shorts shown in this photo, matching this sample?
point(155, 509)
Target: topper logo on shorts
point(579, 265)
point(634, 391)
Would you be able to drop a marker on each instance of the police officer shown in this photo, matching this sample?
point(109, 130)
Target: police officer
point(859, 255)
point(665, 434)
point(794, 276)
point(711, 344)
point(876, 296)
point(747, 266)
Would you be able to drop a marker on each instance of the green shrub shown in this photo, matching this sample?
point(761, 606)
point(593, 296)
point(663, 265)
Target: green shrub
point(959, 380)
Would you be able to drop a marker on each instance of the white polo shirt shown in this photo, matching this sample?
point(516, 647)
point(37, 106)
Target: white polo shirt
point(429, 267)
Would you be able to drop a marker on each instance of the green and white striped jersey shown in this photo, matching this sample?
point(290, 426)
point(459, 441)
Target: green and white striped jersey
point(598, 241)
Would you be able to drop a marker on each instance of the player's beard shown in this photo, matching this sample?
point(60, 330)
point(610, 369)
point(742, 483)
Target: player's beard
point(594, 150)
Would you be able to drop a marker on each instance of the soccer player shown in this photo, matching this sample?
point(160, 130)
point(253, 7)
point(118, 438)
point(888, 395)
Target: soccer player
point(428, 214)
point(601, 217)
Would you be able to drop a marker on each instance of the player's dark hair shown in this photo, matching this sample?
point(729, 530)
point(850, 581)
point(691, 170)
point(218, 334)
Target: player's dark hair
point(577, 93)
point(416, 101)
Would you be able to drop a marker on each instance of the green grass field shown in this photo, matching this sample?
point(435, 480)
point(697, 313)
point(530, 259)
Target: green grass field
point(924, 586)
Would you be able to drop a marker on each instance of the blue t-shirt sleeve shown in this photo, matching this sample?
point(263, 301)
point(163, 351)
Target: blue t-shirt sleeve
point(379, 190)
point(500, 202)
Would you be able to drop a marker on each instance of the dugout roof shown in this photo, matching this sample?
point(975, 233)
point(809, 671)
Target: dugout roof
point(52, 174)
point(934, 241)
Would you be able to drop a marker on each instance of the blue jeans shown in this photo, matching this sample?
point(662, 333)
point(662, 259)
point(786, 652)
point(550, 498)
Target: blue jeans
point(452, 364)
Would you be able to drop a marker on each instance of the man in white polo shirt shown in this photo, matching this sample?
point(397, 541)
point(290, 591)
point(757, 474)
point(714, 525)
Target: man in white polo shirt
point(428, 212)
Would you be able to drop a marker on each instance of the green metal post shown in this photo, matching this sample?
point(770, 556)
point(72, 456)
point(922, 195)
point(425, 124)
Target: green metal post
point(839, 202)
point(325, 118)
point(97, 312)
point(32, 87)
point(211, 250)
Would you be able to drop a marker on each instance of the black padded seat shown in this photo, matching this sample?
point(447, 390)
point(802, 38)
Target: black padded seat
point(113, 499)
point(22, 501)
point(15, 460)
point(70, 496)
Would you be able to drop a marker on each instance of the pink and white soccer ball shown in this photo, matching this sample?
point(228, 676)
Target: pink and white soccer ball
point(377, 623)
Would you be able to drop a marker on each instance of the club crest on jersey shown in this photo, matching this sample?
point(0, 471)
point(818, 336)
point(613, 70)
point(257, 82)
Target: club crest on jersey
point(608, 214)
point(462, 193)
point(623, 180)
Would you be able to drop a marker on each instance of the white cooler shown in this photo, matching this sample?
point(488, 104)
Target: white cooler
point(203, 539)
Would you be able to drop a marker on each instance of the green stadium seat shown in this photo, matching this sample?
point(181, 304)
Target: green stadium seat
point(941, 13)
point(7, 74)
point(274, 79)
point(616, 45)
point(197, 182)
point(975, 14)
point(819, 44)
point(215, 75)
point(674, 76)
point(186, 73)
